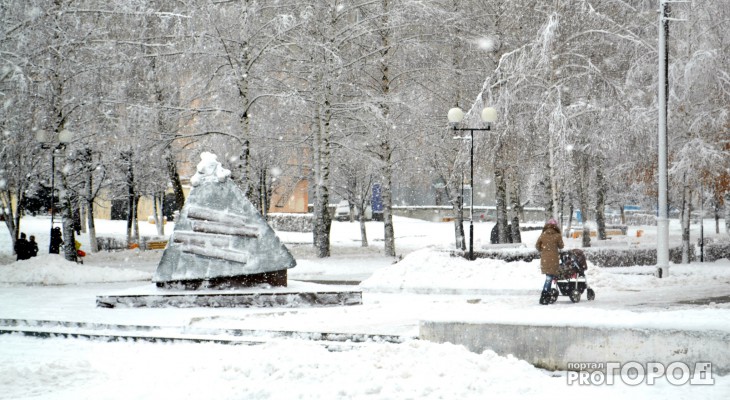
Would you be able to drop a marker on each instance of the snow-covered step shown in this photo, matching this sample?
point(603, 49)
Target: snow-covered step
point(125, 336)
point(113, 332)
point(110, 336)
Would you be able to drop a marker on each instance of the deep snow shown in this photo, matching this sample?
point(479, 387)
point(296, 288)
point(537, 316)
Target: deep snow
point(425, 284)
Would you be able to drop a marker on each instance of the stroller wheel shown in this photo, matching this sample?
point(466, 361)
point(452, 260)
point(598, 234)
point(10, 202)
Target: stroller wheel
point(554, 295)
point(591, 294)
point(575, 296)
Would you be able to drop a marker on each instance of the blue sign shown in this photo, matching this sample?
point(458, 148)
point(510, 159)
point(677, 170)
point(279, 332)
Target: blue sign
point(377, 203)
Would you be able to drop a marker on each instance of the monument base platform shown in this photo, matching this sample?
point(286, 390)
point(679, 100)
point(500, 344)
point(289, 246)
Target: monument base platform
point(299, 295)
point(274, 278)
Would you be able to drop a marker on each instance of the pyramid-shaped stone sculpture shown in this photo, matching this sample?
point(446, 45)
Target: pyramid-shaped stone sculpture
point(220, 239)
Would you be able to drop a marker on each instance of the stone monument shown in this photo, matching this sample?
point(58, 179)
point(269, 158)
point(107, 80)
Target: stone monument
point(222, 253)
point(220, 240)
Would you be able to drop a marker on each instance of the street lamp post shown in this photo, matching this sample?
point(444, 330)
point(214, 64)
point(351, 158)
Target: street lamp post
point(455, 116)
point(46, 142)
point(662, 267)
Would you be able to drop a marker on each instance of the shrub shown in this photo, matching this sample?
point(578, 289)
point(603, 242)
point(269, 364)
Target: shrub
point(290, 222)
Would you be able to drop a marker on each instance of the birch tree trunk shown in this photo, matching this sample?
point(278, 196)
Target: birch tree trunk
point(157, 202)
point(571, 209)
point(170, 163)
point(238, 54)
point(716, 212)
point(246, 159)
point(322, 218)
point(363, 230)
point(135, 220)
point(362, 188)
point(388, 230)
point(600, 203)
point(69, 238)
point(583, 193)
point(174, 177)
point(561, 211)
point(317, 210)
point(547, 185)
point(82, 215)
point(458, 210)
point(457, 61)
point(67, 220)
point(8, 215)
point(686, 219)
point(514, 198)
point(386, 149)
point(93, 245)
point(552, 173)
point(127, 157)
point(89, 199)
point(501, 197)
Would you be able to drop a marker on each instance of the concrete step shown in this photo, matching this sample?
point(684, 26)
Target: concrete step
point(148, 333)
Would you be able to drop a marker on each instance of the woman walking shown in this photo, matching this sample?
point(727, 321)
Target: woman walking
point(549, 244)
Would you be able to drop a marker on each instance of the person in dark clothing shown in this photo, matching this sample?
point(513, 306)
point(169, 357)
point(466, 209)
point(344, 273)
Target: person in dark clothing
point(77, 221)
point(494, 235)
point(21, 248)
point(32, 247)
point(56, 240)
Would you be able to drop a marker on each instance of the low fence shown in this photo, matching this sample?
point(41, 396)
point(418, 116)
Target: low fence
point(290, 222)
point(611, 257)
point(446, 213)
point(109, 243)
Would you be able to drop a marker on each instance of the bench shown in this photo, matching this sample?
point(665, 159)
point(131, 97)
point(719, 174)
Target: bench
point(156, 245)
point(609, 232)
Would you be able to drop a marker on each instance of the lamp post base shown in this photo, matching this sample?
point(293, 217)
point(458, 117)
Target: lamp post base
point(471, 240)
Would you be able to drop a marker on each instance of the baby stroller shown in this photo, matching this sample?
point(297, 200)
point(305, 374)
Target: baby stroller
point(571, 279)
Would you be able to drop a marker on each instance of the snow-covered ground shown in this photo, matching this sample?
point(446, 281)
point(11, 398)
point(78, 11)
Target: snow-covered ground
point(426, 284)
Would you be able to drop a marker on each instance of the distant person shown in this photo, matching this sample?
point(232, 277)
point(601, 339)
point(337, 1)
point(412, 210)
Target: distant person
point(32, 247)
point(494, 234)
point(21, 248)
point(77, 221)
point(549, 244)
point(56, 240)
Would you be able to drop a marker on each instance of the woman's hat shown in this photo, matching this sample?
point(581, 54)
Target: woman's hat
point(552, 221)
